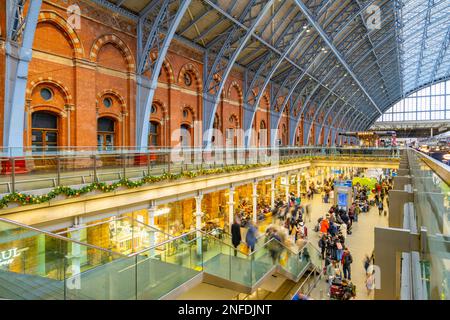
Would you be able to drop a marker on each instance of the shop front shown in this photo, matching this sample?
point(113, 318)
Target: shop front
point(215, 210)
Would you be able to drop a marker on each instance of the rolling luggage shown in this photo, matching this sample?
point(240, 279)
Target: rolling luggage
point(336, 291)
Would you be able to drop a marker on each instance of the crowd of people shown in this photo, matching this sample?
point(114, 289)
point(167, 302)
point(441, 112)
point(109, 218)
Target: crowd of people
point(289, 229)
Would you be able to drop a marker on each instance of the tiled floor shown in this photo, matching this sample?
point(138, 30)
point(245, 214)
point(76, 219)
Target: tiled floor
point(360, 243)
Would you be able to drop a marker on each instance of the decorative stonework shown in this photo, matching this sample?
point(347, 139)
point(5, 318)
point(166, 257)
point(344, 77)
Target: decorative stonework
point(190, 110)
point(100, 14)
point(166, 65)
point(190, 68)
point(54, 18)
point(185, 51)
point(114, 93)
point(236, 85)
point(49, 80)
point(118, 43)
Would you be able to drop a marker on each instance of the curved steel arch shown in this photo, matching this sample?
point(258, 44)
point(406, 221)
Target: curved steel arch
point(162, 18)
point(238, 34)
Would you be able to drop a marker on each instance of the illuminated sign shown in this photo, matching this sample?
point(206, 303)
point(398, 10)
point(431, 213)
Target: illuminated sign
point(8, 256)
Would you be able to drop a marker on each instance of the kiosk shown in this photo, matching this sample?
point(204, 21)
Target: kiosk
point(343, 194)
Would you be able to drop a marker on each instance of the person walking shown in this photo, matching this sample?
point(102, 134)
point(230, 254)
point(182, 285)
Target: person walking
point(370, 282)
point(308, 212)
point(323, 245)
point(367, 264)
point(250, 237)
point(380, 208)
point(347, 260)
point(236, 235)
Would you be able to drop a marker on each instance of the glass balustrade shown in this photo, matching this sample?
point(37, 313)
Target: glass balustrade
point(26, 170)
point(40, 265)
point(432, 209)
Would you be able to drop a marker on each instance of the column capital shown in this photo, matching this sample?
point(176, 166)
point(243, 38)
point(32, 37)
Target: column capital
point(199, 214)
point(152, 205)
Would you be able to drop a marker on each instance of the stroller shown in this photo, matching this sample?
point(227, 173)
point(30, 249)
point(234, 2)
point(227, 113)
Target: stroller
point(342, 290)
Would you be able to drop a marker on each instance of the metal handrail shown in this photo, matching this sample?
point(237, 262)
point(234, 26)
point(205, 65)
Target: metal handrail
point(59, 237)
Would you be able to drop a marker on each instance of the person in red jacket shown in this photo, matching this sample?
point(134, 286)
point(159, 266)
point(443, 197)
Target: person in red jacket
point(324, 226)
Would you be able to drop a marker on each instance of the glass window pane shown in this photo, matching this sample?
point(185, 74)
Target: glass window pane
point(44, 120)
point(105, 125)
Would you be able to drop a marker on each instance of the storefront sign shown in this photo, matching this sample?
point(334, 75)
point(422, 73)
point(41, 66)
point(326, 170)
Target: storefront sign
point(8, 256)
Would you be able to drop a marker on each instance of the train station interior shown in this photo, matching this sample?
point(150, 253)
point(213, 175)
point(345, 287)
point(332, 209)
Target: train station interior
point(224, 150)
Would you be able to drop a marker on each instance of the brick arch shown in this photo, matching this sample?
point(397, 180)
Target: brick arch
point(55, 83)
point(238, 88)
point(61, 23)
point(118, 43)
point(166, 65)
point(267, 99)
point(191, 110)
point(162, 105)
point(113, 93)
point(52, 109)
point(190, 68)
point(108, 114)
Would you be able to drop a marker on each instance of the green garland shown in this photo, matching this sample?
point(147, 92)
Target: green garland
point(26, 199)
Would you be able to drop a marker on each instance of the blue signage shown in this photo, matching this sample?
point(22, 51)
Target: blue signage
point(342, 199)
point(347, 183)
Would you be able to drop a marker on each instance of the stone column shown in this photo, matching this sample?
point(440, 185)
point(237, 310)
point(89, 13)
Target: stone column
point(255, 201)
point(286, 188)
point(151, 222)
point(68, 108)
point(74, 282)
point(272, 192)
point(198, 221)
point(298, 184)
point(231, 207)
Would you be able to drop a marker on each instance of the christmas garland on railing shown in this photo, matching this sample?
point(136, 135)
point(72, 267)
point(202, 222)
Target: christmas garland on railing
point(26, 199)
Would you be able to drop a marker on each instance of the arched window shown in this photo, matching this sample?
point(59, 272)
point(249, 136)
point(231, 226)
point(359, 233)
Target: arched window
point(185, 137)
point(44, 130)
point(106, 133)
point(154, 136)
point(283, 135)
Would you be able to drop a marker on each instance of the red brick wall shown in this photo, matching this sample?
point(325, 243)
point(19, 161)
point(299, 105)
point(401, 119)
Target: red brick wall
point(83, 67)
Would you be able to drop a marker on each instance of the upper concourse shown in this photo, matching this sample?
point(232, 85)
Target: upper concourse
point(113, 73)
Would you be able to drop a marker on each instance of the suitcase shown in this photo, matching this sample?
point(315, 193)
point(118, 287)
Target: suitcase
point(336, 291)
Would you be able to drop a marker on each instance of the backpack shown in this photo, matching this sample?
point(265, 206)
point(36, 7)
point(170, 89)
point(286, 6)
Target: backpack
point(321, 243)
point(348, 259)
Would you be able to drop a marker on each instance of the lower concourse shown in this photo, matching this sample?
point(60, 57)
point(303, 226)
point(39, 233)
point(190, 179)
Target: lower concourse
point(186, 149)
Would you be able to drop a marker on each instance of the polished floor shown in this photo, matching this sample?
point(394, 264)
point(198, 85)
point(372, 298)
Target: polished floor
point(360, 243)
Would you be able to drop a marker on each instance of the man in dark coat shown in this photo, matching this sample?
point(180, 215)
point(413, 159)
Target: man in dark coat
point(236, 235)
